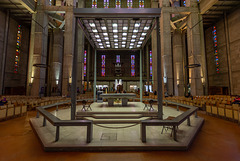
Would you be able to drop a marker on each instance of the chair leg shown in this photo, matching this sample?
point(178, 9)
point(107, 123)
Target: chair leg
point(163, 129)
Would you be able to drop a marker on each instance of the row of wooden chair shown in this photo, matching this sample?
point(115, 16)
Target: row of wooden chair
point(11, 111)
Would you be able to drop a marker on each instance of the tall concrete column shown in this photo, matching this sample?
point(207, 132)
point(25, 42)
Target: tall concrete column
point(37, 75)
point(185, 62)
point(56, 61)
point(147, 66)
point(141, 85)
point(80, 65)
point(88, 64)
point(166, 49)
point(154, 51)
point(178, 63)
point(95, 75)
point(68, 52)
point(194, 52)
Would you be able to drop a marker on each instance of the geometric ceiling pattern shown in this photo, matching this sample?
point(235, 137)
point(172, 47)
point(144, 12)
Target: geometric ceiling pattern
point(118, 33)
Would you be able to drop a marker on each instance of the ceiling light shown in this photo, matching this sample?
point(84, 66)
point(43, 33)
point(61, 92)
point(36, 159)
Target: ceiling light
point(123, 46)
point(133, 40)
point(146, 27)
point(130, 47)
point(115, 30)
point(97, 36)
point(104, 28)
point(98, 40)
point(92, 24)
point(134, 36)
point(115, 36)
point(140, 42)
point(106, 38)
point(138, 46)
point(124, 42)
point(114, 25)
point(107, 42)
point(124, 38)
point(100, 44)
point(137, 25)
point(135, 30)
point(108, 46)
point(124, 34)
point(125, 28)
point(105, 34)
point(95, 30)
point(143, 34)
point(116, 44)
point(131, 43)
point(141, 38)
point(115, 40)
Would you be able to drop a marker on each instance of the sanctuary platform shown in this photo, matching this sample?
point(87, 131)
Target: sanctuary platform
point(116, 137)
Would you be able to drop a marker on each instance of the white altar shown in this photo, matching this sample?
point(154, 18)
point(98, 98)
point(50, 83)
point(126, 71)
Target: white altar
point(123, 96)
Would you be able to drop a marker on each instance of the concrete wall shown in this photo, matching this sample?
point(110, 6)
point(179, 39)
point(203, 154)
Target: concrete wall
point(14, 82)
point(221, 79)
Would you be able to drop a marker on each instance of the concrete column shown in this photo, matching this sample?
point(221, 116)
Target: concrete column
point(95, 75)
point(154, 51)
point(80, 65)
point(56, 63)
point(88, 64)
point(39, 55)
point(166, 50)
point(68, 52)
point(147, 66)
point(194, 53)
point(2, 67)
point(141, 85)
point(185, 62)
point(178, 63)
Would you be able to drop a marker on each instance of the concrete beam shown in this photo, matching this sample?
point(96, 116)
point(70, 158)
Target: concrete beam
point(29, 5)
point(205, 5)
point(56, 17)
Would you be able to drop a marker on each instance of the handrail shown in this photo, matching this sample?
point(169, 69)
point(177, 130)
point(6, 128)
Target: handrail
point(174, 122)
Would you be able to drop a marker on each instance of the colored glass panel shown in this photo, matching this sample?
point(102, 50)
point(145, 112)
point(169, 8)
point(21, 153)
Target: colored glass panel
point(117, 58)
point(103, 65)
point(129, 3)
point(85, 63)
point(118, 3)
point(150, 55)
point(132, 65)
point(18, 49)
point(184, 3)
point(106, 3)
point(215, 45)
point(141, 3)
point(94, 3)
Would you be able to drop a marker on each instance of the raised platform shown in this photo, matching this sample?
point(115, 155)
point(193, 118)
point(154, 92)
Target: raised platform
point(115, 137)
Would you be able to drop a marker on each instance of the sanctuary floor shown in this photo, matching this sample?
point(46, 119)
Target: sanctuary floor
point(218, 140)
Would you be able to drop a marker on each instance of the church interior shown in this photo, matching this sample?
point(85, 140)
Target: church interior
point(119, 79)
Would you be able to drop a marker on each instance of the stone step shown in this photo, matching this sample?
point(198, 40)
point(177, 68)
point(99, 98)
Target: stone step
point(117, 121)
point(117, 116)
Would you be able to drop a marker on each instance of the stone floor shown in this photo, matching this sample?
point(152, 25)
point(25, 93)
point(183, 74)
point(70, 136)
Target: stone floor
point(217, 140)
point(115, 137)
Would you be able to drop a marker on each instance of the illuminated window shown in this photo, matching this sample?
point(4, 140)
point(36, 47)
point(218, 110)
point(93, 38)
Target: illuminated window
point(150, 55)
point(117, 58)
point(85, 63)
point(132, 65)
point(94, 3)
point(18, 48)
point(129, 3)
point(106, 3)
point(141, 3)
point(118, 3)
point(184, 3)
point(103, 65)
point(214, 32)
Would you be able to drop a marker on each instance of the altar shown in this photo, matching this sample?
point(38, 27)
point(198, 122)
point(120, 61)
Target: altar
point(123, 96)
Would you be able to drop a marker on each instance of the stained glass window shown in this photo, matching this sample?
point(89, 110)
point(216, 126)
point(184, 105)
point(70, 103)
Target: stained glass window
point(150, 55)
point(214, 32)
point(94, 3)
point(184, 3)
point(85, 63)
point(18, 48)
point(103, 65)
point(117, 58)
point(129, 3)
point(118, 3)
point(132, 65)
point(106, 3)
point(141, 3)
